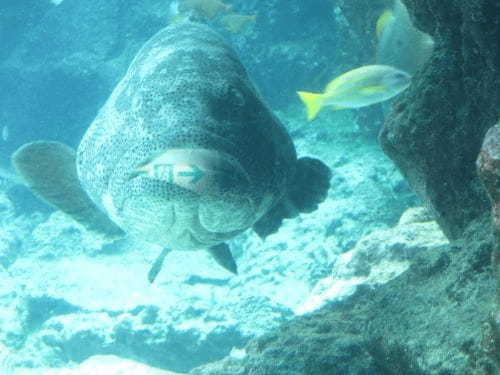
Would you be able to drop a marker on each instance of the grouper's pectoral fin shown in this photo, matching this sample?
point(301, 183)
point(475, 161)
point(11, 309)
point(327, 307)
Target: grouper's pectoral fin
point(308, 189)
point(49, 170)
point(223, 256)
point(158, 263)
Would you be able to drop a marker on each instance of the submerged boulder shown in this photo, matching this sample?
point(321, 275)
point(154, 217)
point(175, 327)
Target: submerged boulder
point(435, 130)
point(427, 320)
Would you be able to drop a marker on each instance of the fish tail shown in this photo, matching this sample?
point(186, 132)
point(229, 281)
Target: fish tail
point(312, 102)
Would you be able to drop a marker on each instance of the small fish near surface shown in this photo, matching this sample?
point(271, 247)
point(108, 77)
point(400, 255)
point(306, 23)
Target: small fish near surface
point(399, 43)
point(206, 8)
point(357, 88)
point(387, 17)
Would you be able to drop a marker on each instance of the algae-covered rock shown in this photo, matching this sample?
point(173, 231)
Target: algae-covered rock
point(436, 128)
point(376, 259)
point(415, 215)
point(425, 321)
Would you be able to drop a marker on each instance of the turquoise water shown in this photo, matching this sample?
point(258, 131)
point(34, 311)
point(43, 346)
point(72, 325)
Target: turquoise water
point(83, 224)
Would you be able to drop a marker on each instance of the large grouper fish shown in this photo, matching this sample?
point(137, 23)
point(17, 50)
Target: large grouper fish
point(184, 154)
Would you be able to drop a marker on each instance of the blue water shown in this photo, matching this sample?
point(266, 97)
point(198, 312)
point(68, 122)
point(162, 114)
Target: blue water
point(69, 297)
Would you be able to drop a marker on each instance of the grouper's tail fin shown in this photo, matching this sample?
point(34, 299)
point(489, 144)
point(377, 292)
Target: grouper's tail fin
point(309, 188)
point(49, 170)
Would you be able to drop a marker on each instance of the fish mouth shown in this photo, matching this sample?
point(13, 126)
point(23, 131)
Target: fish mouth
point(186, 198)
point(176, 223)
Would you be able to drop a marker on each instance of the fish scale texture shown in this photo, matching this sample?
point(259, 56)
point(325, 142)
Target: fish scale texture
point(185, 89)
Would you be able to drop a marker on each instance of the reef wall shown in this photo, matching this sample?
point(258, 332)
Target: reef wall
point(436, 128)
point(443, 125)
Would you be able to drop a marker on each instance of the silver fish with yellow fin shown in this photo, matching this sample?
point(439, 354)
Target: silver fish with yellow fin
point(400, 43)
point(357, 88)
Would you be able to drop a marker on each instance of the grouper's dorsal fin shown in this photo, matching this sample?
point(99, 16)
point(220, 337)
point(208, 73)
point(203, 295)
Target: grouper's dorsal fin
point(49, 170)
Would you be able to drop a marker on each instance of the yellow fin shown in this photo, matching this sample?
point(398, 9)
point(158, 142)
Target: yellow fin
point(382, 22)
point(312, 102)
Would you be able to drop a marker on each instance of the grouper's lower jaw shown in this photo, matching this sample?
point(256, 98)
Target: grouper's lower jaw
point(184, 225)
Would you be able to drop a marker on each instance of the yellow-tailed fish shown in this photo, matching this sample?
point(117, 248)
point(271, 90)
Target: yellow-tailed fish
point(234, 22)
point(386, 18)
point(359, 87)
point(400, 43)
point(207, 8)
point(174, 15)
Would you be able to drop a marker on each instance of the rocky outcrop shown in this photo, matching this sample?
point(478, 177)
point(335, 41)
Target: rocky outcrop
point(427, 320)
point(376, 259)
point(436, 128)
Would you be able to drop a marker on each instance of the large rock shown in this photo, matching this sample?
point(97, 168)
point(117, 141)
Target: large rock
point(425, 321)
point(436, 128)
point(376, 259)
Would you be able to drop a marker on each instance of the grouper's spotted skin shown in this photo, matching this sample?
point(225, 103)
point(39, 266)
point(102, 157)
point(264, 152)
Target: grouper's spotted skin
point(183, 154)
point(184, 89)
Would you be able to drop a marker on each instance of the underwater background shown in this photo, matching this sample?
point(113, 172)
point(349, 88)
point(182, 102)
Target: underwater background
point(396, 272)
